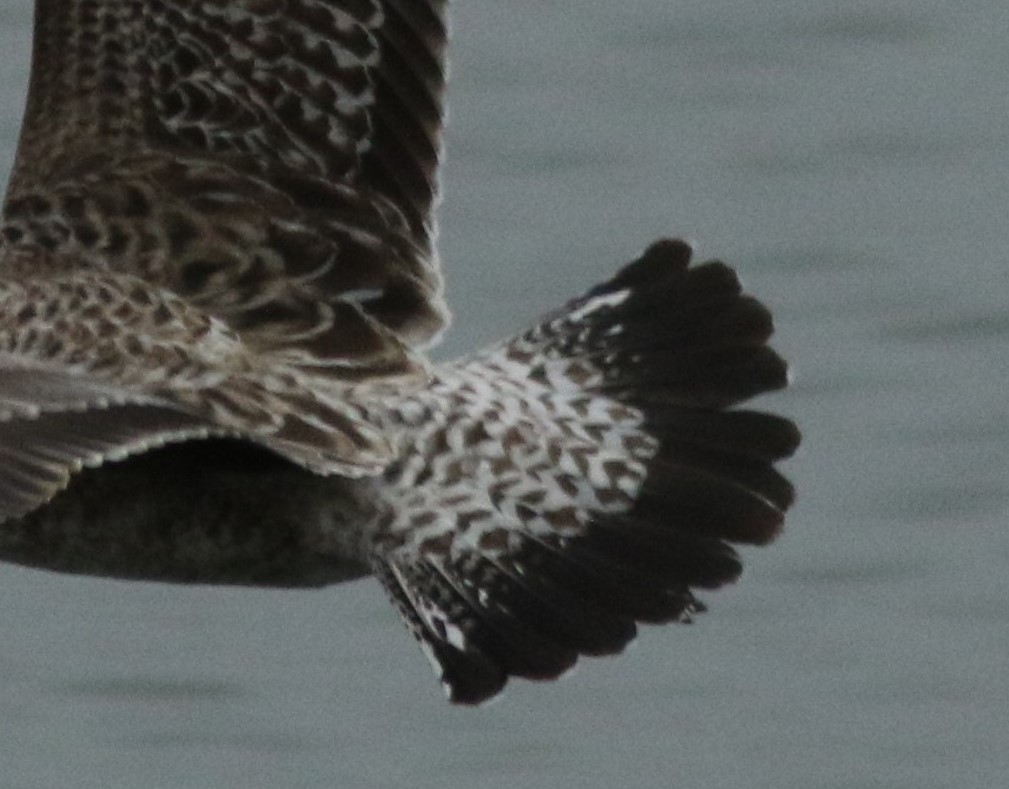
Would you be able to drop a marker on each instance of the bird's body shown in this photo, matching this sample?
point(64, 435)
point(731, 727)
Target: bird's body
point(217, 280)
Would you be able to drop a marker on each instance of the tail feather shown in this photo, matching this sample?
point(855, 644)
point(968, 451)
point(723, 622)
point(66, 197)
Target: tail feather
point(744, 320)
point(621, 574)
point(469, 675)
point(741, 446)
point(587, 475)
point(636, 558)
point(515, 623)
point(550, 602)
point(709, 377)
point(742, 434)
point(701, 502)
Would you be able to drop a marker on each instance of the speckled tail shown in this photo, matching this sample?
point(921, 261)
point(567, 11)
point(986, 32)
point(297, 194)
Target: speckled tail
point(587, 475)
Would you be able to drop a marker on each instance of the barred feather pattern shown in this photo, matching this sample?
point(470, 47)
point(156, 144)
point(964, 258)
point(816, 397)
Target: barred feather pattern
point(273, 161)
point(77, 350)
point(585, 476)
point(213, 230)
point(344, 91)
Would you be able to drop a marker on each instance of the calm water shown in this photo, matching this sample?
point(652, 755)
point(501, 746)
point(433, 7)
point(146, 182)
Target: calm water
point(853, 161)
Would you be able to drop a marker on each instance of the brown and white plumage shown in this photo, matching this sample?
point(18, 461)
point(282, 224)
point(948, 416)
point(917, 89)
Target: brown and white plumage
point(217, 278)
point(260, 174)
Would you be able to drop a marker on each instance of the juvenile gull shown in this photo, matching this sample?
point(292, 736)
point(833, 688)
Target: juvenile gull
point(217, 283)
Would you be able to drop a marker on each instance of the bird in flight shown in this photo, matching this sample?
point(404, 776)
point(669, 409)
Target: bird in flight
point(218, 281)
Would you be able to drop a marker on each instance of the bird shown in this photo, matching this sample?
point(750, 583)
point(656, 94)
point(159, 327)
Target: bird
point(219, 287)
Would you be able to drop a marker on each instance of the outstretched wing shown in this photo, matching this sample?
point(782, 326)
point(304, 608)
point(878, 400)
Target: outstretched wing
point(258, 172)
point(346, 90)
point(268, 160)
point(98, 367)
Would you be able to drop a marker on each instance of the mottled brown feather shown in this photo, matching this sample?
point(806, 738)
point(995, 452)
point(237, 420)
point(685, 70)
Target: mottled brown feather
point(262, 171)
point(269, 159)
point(344, 91)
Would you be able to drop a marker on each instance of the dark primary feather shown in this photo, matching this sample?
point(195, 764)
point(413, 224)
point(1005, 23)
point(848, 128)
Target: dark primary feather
point(624, 493)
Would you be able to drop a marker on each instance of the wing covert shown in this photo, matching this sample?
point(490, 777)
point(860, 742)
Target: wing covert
point(273, 162)
point(344, 90)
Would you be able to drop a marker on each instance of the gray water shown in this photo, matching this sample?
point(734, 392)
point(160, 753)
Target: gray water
point(852, 160)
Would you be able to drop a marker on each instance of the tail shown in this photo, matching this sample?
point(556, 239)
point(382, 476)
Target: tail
point(587, 476)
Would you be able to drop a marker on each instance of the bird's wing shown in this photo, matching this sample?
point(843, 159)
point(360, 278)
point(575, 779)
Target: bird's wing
point(95, 367)
point(310, 130)
point(346, 90)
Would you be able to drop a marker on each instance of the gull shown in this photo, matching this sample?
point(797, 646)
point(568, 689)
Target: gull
point(218, 287)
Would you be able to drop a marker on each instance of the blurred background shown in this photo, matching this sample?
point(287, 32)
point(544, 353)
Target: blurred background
point(851, 160)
